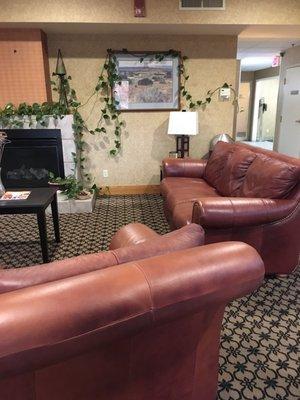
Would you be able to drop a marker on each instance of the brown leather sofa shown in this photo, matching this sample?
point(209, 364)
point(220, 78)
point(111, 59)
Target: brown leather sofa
point(242, 193)
point(147, 329)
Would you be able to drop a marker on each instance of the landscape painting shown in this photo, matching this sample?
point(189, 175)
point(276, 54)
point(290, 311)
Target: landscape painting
point(146, 83)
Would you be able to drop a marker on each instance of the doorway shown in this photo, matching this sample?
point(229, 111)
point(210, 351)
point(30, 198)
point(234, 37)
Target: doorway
point(244, 112)
point(264, 112)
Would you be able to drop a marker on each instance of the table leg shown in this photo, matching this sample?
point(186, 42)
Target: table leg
point(55, 218)
point(41, 218)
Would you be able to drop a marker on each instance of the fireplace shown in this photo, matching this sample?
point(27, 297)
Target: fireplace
point(30, 156)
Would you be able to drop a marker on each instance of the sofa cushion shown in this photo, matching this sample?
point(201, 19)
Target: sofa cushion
point(269, 178)
point(217, 160)
point(171, 185)
point(190, 193)
point(234, 171)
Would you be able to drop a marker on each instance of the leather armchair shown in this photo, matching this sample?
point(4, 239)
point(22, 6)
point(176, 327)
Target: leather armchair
point(132, 242)
point(145, 330)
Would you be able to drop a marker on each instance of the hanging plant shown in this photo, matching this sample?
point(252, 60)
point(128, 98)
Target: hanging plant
point(109, 113)
point(12, 116)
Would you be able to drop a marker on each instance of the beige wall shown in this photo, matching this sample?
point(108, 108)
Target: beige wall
point(247, 76)
point(250, 76)
point(145, 142)
point(266, 73)
point(158, 11)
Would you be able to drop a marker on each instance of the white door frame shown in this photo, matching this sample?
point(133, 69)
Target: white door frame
point(280, 105)
point(255, 108)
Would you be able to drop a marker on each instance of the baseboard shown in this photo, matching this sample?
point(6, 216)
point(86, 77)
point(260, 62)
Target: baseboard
point(137, 189)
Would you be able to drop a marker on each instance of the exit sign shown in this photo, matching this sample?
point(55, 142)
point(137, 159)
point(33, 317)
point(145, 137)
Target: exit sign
point(276, 61)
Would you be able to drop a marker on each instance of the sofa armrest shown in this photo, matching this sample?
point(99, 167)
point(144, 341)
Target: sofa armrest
point(132, 234)
point(183, 167)
point(106, 305)
point(229, 212)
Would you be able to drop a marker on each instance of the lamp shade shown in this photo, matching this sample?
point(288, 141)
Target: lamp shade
point(183, 123)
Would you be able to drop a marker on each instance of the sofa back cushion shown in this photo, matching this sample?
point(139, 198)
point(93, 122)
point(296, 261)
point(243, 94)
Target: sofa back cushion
point(227, 167)
point(234, 171)
point(215, 165)
point(269, 178)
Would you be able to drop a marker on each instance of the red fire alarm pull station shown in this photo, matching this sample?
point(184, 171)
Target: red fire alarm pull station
point(139, 8)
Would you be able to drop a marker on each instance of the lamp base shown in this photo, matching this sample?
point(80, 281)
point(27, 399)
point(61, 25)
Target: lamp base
point(183, 145)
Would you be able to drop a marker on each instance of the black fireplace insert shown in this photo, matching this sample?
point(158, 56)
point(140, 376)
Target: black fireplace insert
point(30, 156)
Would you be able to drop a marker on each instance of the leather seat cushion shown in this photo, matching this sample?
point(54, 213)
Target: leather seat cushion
point(269, 178)
point(189, 190)
point(185, 195)
point(170, 184)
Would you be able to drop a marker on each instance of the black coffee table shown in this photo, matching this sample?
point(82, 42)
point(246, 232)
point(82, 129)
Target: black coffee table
point(36, 203)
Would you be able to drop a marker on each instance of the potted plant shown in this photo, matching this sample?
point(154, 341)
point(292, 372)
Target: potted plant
point(70, 187)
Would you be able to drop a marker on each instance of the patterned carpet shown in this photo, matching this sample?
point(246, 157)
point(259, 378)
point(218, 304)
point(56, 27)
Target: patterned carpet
point(259, 356)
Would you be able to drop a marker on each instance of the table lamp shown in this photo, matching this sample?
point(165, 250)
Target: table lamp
point(183, 124)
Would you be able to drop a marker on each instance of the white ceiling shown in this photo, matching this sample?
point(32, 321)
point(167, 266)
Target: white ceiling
point(258, 54)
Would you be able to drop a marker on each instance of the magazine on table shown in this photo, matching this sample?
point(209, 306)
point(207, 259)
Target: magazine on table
point(15, 195)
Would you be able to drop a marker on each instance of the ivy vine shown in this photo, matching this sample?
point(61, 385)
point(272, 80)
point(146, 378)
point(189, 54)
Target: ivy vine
point(12, 116)
point(109, 115)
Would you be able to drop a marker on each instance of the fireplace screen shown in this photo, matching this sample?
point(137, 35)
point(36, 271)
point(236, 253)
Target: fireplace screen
point(30, 156)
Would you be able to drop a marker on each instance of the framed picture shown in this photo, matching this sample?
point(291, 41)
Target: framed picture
point(146, 82)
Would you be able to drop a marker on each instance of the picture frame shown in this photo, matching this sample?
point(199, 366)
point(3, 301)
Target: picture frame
point(147, 83)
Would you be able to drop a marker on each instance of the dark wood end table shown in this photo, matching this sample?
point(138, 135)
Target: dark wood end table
point(36, 203)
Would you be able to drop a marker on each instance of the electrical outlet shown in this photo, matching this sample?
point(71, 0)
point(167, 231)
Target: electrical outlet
point(105, 173)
